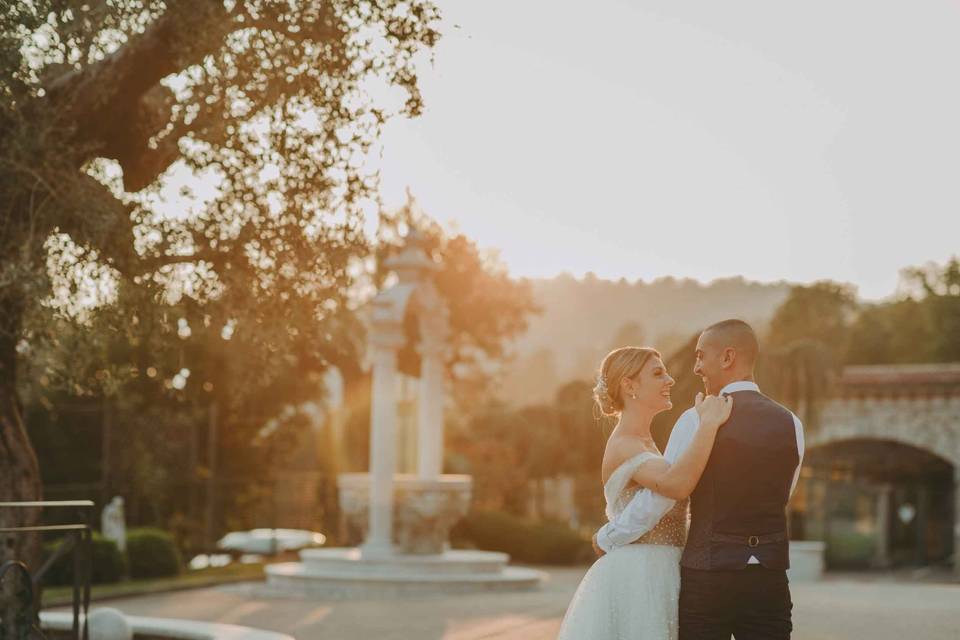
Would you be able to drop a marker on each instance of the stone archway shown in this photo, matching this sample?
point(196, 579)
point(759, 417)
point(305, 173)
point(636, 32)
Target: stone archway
point(927, 423)
point(879, 503)
point(895, 430)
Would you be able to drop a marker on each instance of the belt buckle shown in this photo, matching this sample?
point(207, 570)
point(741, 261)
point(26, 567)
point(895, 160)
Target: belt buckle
point(753, 541)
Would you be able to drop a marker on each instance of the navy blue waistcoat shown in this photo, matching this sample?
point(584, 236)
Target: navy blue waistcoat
point(739, 507)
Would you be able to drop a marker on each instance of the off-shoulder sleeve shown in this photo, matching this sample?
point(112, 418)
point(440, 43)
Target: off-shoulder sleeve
point(646, 508)
point(639, 516)
point(613, 491)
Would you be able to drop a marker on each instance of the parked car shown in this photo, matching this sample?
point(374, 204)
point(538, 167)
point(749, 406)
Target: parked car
point(270, 541)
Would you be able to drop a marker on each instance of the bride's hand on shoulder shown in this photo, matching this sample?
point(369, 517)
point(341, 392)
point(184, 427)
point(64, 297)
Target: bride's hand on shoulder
point(713, 410)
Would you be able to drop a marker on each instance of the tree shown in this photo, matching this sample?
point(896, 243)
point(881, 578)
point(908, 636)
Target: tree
point(487, 307)
point(487, 310)
point(938, 289)
point(797, 375)
point(629, 334)
point(495, 443)
point(509, 450)
point(822, 311)
point(685, 389)
point(894, 332)
point(921, 325)
point(267, 99)
point(580, 437)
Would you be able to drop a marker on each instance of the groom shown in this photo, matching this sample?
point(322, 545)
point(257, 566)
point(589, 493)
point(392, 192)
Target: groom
point(733, 570)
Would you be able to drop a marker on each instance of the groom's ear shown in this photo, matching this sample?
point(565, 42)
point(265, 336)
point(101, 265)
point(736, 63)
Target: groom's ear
point(728, 358)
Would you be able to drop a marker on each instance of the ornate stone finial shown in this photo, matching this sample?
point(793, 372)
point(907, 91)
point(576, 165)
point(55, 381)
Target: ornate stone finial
point(412, 263)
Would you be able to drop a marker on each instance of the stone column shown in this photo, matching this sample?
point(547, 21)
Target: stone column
point(383, 437)
point(882, 557)
point(923, 518)
point(430, 431)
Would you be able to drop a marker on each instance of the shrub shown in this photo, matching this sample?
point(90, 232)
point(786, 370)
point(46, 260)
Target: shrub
point(524, 540)
point(152, 554)
point(849, 549)
point(109, 565)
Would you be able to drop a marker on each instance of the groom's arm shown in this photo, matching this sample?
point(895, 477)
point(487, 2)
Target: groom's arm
point(646, 508)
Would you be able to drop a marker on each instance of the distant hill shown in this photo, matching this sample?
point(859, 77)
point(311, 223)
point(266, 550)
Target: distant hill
point(583, 318)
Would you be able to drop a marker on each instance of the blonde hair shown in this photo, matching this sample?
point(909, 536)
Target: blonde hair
point(625, 362)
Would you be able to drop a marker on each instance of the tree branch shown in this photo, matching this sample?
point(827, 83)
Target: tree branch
point(116, 104)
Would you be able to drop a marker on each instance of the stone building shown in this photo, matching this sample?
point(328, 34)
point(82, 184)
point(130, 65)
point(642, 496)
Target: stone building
point(881, 478)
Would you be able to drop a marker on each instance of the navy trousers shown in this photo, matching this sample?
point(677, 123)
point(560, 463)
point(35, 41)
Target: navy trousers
point(749, 604)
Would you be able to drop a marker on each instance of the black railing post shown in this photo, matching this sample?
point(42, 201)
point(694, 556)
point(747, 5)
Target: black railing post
point(20, 603)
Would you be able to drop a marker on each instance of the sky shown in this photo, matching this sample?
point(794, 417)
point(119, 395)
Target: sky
point(700, 139)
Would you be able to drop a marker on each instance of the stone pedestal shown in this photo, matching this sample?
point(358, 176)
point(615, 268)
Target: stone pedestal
point(423, 510)
point(420, 563)
point(806, 560)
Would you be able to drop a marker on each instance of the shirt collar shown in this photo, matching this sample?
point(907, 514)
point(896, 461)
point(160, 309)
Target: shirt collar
point(740, 385)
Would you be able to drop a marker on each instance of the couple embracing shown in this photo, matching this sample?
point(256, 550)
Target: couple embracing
point(733, 461)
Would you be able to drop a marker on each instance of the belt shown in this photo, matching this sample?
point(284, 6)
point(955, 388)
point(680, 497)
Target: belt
point(750, 541)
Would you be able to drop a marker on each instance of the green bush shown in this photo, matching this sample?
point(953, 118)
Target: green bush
point(152, 554)
point(524, 540)
point(109, 565)
point(849, 549)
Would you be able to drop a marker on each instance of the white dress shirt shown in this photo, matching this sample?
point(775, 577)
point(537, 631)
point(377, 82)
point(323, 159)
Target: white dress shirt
point(646, 507)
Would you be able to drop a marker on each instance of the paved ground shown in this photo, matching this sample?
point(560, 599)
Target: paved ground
point(879, 608)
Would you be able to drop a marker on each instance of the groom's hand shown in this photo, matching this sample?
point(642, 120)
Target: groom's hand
point(596, 548)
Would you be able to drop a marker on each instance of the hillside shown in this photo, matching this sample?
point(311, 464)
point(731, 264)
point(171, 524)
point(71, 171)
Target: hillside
point(582, 319)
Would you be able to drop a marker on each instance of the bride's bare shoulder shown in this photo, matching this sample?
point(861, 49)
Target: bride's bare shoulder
point(619, 449)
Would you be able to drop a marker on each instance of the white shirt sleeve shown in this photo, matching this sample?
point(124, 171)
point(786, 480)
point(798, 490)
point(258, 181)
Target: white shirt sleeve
point(800, 450)
point(646, 508)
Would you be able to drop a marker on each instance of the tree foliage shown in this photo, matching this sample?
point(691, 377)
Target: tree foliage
point(821, 311)
point(274, 103)
point(509, 450)
point(921, 325)
point(488, 308)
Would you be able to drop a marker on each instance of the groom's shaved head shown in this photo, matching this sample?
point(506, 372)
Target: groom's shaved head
point(737, 334)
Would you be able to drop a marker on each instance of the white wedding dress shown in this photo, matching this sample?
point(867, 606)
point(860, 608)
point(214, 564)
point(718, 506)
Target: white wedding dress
point(631, 593)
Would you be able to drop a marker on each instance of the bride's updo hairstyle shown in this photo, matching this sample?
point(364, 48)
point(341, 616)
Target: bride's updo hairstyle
point(625, 362)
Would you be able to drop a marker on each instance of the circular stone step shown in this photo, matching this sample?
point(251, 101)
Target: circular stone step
point(453, 562)
point(294, 578)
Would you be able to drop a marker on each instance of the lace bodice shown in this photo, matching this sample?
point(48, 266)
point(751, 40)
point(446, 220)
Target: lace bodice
point(620, 489)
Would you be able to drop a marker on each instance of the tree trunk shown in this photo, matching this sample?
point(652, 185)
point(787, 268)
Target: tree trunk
point(19, 471)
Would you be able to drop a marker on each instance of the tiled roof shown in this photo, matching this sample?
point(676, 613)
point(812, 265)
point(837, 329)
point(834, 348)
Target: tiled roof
point(890, 377)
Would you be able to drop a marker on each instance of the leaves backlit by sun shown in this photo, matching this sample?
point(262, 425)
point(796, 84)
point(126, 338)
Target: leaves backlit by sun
point(80, 282)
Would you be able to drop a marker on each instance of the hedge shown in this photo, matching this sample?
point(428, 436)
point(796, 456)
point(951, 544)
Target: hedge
point(528, 541)
point(109, 565)
point(152, 554)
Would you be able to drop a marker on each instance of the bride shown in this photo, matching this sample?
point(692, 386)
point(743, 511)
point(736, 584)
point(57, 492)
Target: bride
point(633, 591)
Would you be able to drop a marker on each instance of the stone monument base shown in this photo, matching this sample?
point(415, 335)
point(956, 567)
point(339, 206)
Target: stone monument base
point(346, 572)
point(806, 560)
point(424, 510)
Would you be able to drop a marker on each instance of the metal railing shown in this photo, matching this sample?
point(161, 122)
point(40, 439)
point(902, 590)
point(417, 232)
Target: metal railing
point(19, 589)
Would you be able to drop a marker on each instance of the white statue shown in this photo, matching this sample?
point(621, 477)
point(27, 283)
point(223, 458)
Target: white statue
point(112, 523)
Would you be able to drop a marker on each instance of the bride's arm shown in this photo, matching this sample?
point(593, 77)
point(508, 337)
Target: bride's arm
point(677, 480)
point(646, 508)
